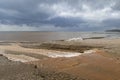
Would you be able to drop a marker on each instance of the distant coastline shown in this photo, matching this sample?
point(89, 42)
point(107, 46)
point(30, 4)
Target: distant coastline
point(113, 30)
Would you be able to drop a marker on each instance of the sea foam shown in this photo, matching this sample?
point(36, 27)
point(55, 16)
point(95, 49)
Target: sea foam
point(75, 39)
point(65, 54)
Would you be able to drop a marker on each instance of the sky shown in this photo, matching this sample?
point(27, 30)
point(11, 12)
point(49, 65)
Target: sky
point(59, 15)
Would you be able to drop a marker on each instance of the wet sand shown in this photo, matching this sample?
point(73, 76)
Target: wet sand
point(96, 59)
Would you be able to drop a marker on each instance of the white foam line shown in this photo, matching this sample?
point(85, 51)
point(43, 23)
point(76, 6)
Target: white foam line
point(63, 54)
point(21, 58)
point(68, 54)
point(75, 39)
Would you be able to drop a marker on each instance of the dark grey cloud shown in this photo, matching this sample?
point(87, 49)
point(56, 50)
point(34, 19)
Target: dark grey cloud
point(59, 14)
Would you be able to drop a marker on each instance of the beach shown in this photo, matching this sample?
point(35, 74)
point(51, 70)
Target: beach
point(59, 39)
point(89, 59)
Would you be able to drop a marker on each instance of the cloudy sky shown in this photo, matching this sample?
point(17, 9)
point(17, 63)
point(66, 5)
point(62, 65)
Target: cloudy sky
point(59, 15)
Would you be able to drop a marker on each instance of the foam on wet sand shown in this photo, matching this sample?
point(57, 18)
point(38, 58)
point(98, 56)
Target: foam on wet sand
point(51, 54)
point(63, 54)
point(68, 54)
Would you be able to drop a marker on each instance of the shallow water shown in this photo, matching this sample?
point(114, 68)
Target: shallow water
point(48, 36)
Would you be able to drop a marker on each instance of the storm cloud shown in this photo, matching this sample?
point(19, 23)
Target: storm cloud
point(59, 15)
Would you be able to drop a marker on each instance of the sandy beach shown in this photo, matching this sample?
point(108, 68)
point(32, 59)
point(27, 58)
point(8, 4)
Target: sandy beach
point(90, 59)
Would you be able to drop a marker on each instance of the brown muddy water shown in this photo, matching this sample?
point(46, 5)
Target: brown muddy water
point(49, 36)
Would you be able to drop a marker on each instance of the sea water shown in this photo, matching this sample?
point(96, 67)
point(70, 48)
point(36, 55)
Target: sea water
point(49, 36)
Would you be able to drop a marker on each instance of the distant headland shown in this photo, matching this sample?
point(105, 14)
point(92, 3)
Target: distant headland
point(113, 30)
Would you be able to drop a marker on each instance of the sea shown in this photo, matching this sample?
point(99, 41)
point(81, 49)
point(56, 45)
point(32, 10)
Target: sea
point(44, 36)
